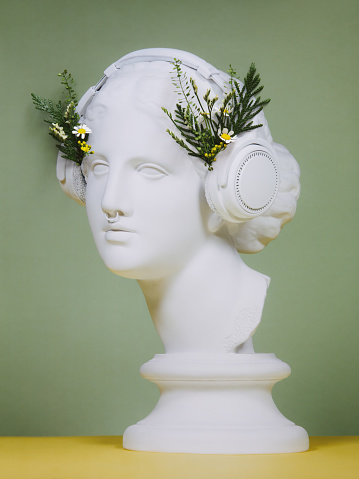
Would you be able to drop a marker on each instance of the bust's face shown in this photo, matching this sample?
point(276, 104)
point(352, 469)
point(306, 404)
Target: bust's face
point(139, 172)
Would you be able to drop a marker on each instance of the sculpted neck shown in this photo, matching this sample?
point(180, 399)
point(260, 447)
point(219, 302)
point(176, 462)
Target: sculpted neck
point(200, 307)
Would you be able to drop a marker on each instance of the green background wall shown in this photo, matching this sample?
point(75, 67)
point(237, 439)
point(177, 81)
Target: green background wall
point(73, 335)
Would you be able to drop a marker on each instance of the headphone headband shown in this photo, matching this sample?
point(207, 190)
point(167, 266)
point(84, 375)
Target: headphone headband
point(204, 69)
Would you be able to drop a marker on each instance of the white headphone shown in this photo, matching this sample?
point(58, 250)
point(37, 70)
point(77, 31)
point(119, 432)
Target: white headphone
point(245, 179)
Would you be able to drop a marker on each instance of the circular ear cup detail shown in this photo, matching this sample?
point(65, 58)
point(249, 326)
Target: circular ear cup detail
point(244, 185)
point(256, 182)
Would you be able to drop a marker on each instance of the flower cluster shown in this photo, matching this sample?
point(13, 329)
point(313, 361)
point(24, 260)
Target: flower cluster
point(85, 147)
point(65, 122)
point(207, 130)
point(58, 132)
point(211, 156)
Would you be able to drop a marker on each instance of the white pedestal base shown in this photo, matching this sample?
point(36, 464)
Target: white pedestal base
point(216, 404)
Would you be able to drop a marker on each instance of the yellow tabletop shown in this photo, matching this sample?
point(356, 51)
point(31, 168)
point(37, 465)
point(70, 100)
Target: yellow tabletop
point(105, 458)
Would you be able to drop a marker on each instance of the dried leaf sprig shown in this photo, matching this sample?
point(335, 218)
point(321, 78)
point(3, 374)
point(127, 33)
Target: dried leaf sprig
point(206, 129)
point(65, 126)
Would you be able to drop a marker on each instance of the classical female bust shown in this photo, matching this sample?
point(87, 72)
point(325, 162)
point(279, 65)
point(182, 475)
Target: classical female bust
point(153, 220)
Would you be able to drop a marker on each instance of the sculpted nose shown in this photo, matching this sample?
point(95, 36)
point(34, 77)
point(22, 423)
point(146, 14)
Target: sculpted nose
point(117, 198)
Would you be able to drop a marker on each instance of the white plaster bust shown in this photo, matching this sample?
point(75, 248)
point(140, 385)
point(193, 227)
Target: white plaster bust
point(147, 206)
point(150, 220)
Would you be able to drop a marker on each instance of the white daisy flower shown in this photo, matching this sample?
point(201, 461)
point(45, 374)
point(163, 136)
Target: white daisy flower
point(81, 131)
point(226, 136)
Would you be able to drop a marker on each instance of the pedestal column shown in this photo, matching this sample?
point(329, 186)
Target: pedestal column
point(216, 404)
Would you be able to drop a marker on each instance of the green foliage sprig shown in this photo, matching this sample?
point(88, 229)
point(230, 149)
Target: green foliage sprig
point(65, 122)
point(207, 130)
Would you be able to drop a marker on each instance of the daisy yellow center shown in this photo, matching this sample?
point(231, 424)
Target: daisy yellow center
point(81, 131)
point(225, 136)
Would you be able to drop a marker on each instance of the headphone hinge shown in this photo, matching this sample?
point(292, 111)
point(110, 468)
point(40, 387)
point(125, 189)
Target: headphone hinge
point(111, 69)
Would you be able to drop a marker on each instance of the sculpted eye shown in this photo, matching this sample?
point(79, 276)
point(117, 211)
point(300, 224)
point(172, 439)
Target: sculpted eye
point(151, 170)
point(99, 167)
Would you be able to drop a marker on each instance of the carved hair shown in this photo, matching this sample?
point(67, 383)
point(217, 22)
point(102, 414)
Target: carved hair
point(250, 236)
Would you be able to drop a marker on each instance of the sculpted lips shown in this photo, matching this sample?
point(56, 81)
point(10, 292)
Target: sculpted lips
point(118, 228)
point(117, 233)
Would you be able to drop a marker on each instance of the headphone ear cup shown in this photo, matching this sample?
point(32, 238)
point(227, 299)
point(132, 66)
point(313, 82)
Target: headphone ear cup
point(244, 185)
point(71, 179)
